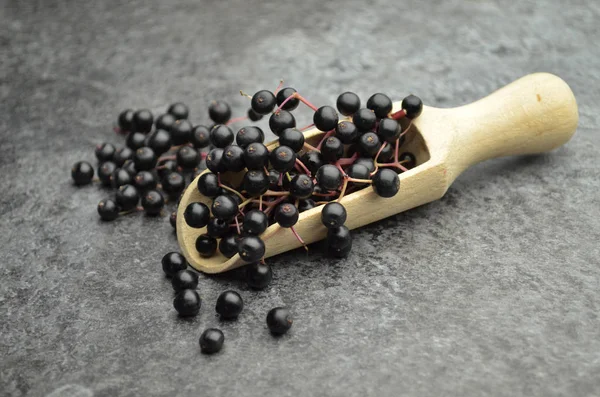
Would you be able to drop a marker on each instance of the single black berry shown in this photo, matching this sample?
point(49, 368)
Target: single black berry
point(228, 245)
point(252, 115)
point(173, 184)
point(122, 155)
point(338, 237)
point(279, 320)
point(369, 144)
point(256, 182)
point(233, 158)
point(120, 177)
point(280, 120)
point(105, 170)
point(247, 135)
point(219, 112)
point(263, 102)
point(346, 132)
point(256, 156)
point(211, 341)
point(187, 303)
point(386, 182)
point(142, 121)
point(329, 177)
point(153, 202)
point(217, 228)
point(208, 185)
point(348, 103)
point(144, 181)
point(108, 210)
point(381, 104)
point(214, 161)
point(333, 215)
point(258, 275)
point(413, 106)
point(364, 120)
point(221, 136)
point(127, 197)
point(408, 160)
point(255, 222)
point(196, 215)
point(367, 162)
point(286, 215)
point(135, 140)
point(159, 141)
point(184, 279)
point(173, 262)
point(313, 160)
point(144, 159)
point(332, 149)
point(125, 120)
point(389, 130)
point(179, 110)
point(229, 305)
point(292, 138)
point(301, 186)
point(224, 207)
point(188, 158)
point(284, 94)
point(165, 122)
point(82, 173)
point(325, 118)
point(105, 152)
point(283, 159)
point(200, 136)
point(251, 248)
point(341, 252)
point(181, 132)
point(206, 245)
point(358, 171)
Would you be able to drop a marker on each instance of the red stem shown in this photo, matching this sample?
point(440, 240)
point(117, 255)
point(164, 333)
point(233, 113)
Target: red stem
point(301, 164)
point(398, 115)
point(347, 161)
point(327, 135)
point(236, 119)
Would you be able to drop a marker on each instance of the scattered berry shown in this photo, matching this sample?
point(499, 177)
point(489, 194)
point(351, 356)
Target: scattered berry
point(229, 305)
point(125, 120)
point(144, 159)
point(135, 140)
point(165, 122)
point(181, 132)
point(184, 279)
point(206, 245)
point(173, 262)
point(258, 275)
point(219, 112)
point(153, 202)
point(279, 320)
point(211, 341)
point(142, 121)
point(127, 197)
point(108, 210)
point(82, 173)
point(200, 136)
point(105, 170)
point(105, 152)
point(187, 303)
point(179, 110)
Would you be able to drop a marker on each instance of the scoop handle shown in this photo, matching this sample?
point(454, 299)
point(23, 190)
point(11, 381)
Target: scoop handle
point(534, 114)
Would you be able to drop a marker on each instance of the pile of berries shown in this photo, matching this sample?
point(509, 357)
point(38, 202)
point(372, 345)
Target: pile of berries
point(360, 146)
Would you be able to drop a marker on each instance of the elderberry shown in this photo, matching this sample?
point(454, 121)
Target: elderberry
point(120, 177)
point(127, 197)
point(413, 106)
point(200, 136)
point(229, 305)
point(228, 245)
point(217, 228)
point(144, 181)
point(325, 118)
point(181, 132)
point(188, 158)
point(211, 341)
point(348, 103)
point(329, 177)
point(333, 215)
point(187, 303)
point(142, 121)
point(292, 138)
point(346, 132)
point(221, 136)
point(313, 160)
point(219, 112)
point(253, 116)
point(263, 102)
point(283, 159)
point(144, 159)
point(224, 207)
point(135, 140)
point(208, 185)
point(284, 94)
point(255, 222)
point(153, 202)
point(286, 215)
point(82, 173)
point(165, 122)
point(256, 182)
point(332, 149)
point(380, 104)
point(279, 320)
point(247, 135)
point(125, 120)
point(280, 120)
point(214, 161)
point(173, 184)
point(301, 186)
point(173, 262)
point(364, 120)
point(256, 156)
point(196, 215)
point(258, 275)
point(184, 279)
point(179, 110)
point(108, 210)
point(105, 171)
point(233, 158)
point(389, 130)
point(206, 245)
point(122, 155)
point(369, 144)
point(251, 248)
point(386, 183)
point(159, 141)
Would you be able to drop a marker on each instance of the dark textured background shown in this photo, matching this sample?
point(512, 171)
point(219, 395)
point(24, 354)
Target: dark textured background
point(493, 290)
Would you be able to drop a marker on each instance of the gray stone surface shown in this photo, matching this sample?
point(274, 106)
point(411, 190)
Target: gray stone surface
point(493, 290)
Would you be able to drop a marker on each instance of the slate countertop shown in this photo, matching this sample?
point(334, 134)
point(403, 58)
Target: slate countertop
point(493, 290)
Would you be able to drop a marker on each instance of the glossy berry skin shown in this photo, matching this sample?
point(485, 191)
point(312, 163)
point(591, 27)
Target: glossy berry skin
point(82, 173)
point(301, 186)
point(305, 205)
point(120, 177)
point(105, 152)
point(346, 132)
point(135, 140)
point(214, 161)
point(256, 182)
point(127, 197)
point(247, 135)
point(409, 160)
point(313, 160)
point(253, 116)
point(159, 141)
point(338, 237)
point(173, 262)
point(364, 120)
point(208, 185)
point(224, 207)
point(325, 118)
point(188, 158)
point(221, 136)
point(206, 245)
point(283, 159)
point(358, 171)
point(144, 181)
point(263, 102)
point(129, 166)
point(142, 121)
point(274, 180)
point(165, 122)
point(329, 177)
point(108, 210)
point(333, 215)
point(217, 228)
point(258, 275)
point(367, 162)
point(389, 130)
point(381, 104)
point(125, 120)
point(256, 156)
point(251, 249)
point(386, 183)
point(173, 219)
point(153, 202)
point(255, 222)
point(342, 252)
point(219, 112)
point(105, 171)
point(184, 279)
point(211, 341)
point(284, 94)
point(173, 184)
point(292, 138)
point(144, 159)
point(200, 136)
point(286, 215)
point(179, 110)
point(181, 132)
point(348, 103)
point(122, 155)
point(332, 149)
point(196, 215)
point(279, 320)
point(413, 106)
point(233, 158)
point(228, 245)
point(369, 144)
point(280, 120)
point(229, 305)
point(187, 303)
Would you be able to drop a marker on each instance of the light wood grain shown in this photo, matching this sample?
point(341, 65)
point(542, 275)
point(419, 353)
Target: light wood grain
point(534, 114)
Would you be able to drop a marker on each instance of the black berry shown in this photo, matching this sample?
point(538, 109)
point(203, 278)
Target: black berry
point(181, 132)
point(120, 177)
point(413, 106)
point(348, 103)
point(214, 161)
point(333, 215)
point(108, 210)
point(211, 341)
point(256, 182)
point(127, 197)
point(173, 184)
point(338, 237)
point(125, 120)
point(251, 249)
point(256, 156)
point(286, 215)
point(105, 152)
point(144, 159)
point(229, 305)
point(346, 132)
point(153, 202)
point(173, 262)
point(105, 170)
point(408, 160)
point(196, 215)
point(179, 110)
point(301, 186)
point(159, 141)
point(364, 120)
point(221, 136)
point(283, 159)
point(165, 122)
point(280, 120)
point(279, 320)
point(332, 149)
point(219, 112)
point(325, 118)
point(389, 130)
point(263, 102)
point(144, 181)
point(200, 136)
point(142, 121)
point(329, 177)
point(188, 158)
point(187, 303)
point(369, 144)
point(247, 135)
point(228, 245)
point(255, 222)
point(258, 275)
point(122, 155)
point(82, 173)
point(386, 183)
point(206, 245)
point(292, 138)
point(135, 140)
point(217, 228)
point(252, 115)
point(208, 185)
point(224, 207)
point(233, 158)
point(184, 279)
point(284, 94)
point(381, 104)
point(313, 160)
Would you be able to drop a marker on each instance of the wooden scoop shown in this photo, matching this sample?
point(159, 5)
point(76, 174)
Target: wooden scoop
point(534, 114)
